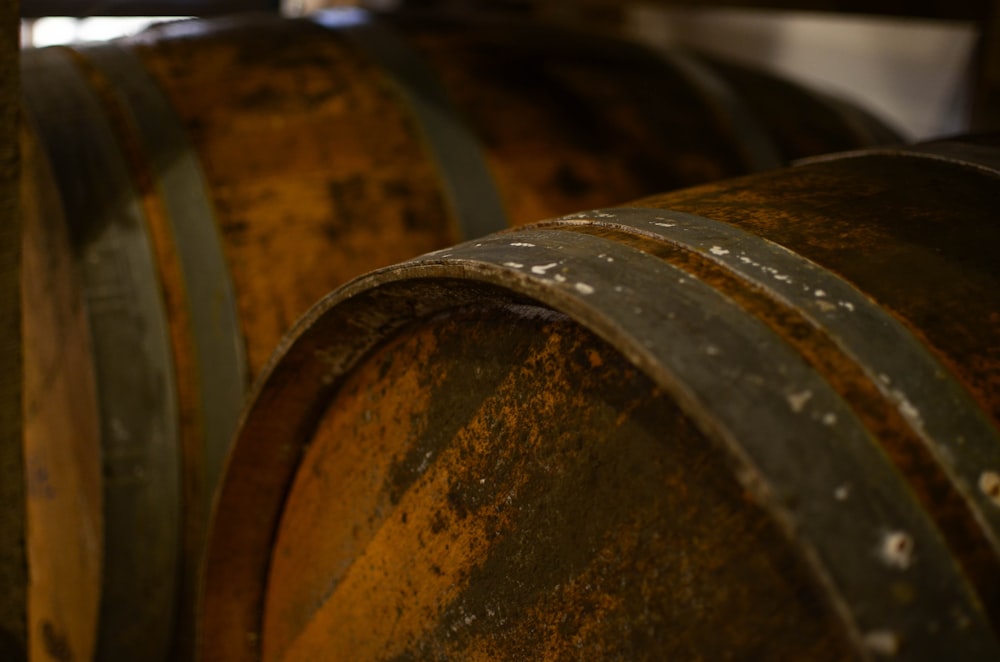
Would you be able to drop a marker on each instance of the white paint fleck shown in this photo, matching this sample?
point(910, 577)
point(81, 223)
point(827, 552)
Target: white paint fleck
point(515, 265)
point(482, 481)
point(584, 288)
point(609, 258)
point(540, 269)
point(848, 305)
point(797, 401)
point(885, 379)
point(559, 278)
point(842, 493)
point(882, 642)
point(522, 243)
point(619, 288)
point(906, 408)
point(820, 293)
point(989, 483)
point(745, 260)
point(424, 463)
point(783, 277)
point(896, 549)
point(478, 245)
point(712, 350)
point(666, 225)
point(829, 418)
point(718, 250)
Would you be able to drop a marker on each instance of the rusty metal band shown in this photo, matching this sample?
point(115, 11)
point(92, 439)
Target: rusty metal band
point(470, 190)
point(982, 158)
point(756, 145)
point(736, 378)
point(218, 340)
point(132, 357)
point(941, 412)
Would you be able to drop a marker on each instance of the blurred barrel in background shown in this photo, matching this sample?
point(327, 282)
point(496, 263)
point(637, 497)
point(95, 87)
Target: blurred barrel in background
point(757, 418)
point(61, 437)
point(217, 177)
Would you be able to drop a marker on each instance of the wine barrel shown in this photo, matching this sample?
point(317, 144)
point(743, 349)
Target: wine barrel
point(219, 176)
point(757, 419)
point(61, 435)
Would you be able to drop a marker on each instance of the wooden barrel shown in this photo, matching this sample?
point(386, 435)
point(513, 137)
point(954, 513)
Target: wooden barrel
point(217, 177)
point(61, 434)
point(757, 419)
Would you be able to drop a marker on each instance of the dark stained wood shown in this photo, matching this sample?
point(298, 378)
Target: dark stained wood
point(13, 561)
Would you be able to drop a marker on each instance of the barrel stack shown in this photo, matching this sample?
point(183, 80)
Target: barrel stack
point(756, 418)
point(190, 192)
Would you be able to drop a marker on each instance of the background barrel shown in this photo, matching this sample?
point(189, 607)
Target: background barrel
point(61, 439)
point(757, 418)
point(218, 177)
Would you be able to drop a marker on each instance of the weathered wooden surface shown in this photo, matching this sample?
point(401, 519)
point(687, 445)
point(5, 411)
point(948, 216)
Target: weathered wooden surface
point(13, 561)
point(460, 455)
point(61, 433)
point(522, 503)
